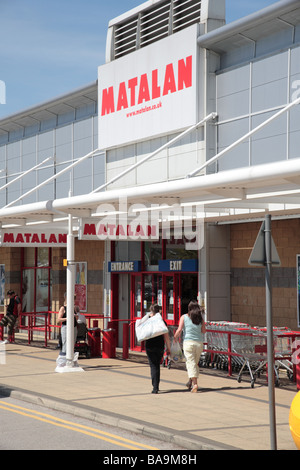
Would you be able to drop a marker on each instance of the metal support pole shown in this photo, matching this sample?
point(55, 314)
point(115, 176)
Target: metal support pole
point(270, 342)
point(70, 295)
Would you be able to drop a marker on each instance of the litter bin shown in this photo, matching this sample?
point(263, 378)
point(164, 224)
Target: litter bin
point(94, 341)
point(108, 343)
point(1, 327)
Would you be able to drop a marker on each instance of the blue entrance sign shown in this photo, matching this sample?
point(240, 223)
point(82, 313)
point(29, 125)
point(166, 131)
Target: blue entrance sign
point(181, 265)
point(124, 266)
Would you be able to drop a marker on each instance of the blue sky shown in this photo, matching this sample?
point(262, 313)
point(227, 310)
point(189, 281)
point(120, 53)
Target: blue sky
point(48, 48)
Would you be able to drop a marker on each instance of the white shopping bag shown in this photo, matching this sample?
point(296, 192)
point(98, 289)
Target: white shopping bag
point(150, 327)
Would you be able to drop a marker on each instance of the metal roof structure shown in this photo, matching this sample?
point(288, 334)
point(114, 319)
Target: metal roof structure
point(53, 108)
point(281, 16)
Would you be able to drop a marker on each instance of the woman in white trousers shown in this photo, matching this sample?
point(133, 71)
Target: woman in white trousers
point(193, 327)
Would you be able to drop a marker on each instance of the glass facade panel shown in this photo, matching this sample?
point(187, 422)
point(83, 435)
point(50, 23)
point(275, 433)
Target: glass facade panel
point(36, 279)
point(42, 257)
point(175, 249)
point(68, 141)
point(29, 257)
point(28, 290)
point(42, 290)
point(152, 254)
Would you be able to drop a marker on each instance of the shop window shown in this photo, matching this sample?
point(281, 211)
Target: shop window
point(125, 251)
point(36, 279)
point(176, 249)
point(153, 252)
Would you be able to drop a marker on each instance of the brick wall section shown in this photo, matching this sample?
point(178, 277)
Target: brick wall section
point(248, 297)
point(90, 251)
point(93, 253)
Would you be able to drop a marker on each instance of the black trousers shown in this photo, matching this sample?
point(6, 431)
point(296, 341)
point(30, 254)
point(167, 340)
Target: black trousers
point(155, 356)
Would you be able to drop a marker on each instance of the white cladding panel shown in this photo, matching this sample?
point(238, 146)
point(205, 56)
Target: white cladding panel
point(249, 94)
point(171, 163)
point(66, 144)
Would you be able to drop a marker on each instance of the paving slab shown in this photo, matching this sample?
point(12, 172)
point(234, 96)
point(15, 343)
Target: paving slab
point(223, 415)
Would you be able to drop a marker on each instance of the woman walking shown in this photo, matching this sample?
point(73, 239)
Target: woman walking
point(193, 326)
point(155, 351)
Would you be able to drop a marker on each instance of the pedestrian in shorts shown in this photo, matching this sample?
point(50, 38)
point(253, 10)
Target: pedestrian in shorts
point(12, 314)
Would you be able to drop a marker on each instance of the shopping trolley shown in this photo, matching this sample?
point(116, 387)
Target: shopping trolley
point(238, 343)
point(283, 350)
point(252, 347)
point(217, 346)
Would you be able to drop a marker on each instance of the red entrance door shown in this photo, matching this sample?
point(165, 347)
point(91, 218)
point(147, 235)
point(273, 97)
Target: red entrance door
point(135, 307)
point(171, 291)
point(146, 289)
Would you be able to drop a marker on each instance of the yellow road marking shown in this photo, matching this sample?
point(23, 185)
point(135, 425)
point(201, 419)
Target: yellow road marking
point(105, 436)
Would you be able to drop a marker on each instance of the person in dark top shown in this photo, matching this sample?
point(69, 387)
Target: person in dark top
point(62, 320)
point(12, 314)
point(155, 351)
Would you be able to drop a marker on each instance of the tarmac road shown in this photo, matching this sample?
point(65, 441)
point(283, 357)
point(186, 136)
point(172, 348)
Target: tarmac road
point(26, 426)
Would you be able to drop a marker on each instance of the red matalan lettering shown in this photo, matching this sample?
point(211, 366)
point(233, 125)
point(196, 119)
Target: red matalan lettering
point(35, 238)
point(153, 85)
point(120, 231)
point(62, 238)
point(169, 83)
point(89, 229)
point(19, 238)
point(8, 238)
point(52, 238)
point(122, 98)
point(185, 73)
point(144, 94)
point(102, 230)
point(132, 84)
point(108, 101)
point(139, 231)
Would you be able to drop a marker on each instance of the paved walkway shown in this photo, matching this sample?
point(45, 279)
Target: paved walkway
point(224, 414)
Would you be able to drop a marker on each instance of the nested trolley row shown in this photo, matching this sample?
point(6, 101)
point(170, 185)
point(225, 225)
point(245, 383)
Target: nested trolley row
point(241, 348)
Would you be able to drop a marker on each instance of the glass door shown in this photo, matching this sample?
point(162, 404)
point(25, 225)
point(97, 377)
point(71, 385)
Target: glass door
point(152, 291)
point(146, 289)
point(135, 307)
point(136, 283)
point(36, 279)
point(188, 290)
point(171, 291)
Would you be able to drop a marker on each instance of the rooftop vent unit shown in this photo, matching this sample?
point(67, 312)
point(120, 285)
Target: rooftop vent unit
point(154, 23)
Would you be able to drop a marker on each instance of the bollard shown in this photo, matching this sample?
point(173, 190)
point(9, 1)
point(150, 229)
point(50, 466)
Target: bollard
point(298, 375)
point(1, 327)
point(94, 341)
point(108, 344)
point(125, 340)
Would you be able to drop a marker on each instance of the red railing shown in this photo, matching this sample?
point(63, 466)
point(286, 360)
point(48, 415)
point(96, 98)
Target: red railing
point(41, 321)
